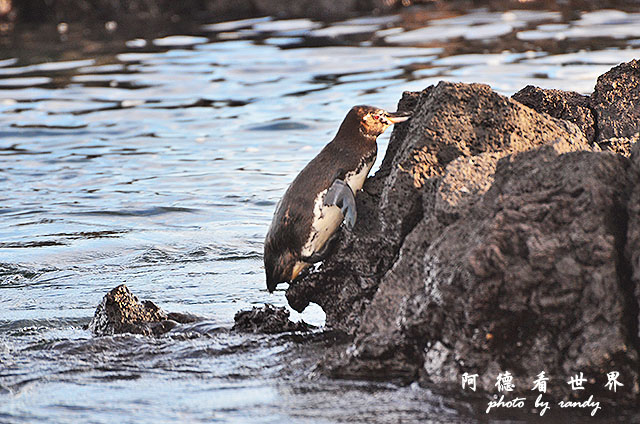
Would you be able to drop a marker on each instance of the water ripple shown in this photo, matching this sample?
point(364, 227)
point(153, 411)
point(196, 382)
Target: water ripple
point(152, 211)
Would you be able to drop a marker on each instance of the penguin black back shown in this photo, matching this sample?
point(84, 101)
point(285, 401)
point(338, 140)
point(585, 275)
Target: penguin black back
point(303, 221)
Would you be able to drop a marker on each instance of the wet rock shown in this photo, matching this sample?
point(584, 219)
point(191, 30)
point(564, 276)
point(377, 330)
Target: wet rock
point(121, 312)
point(567, 105)
point(494, 238)
point(616, 101)
point(267, 319)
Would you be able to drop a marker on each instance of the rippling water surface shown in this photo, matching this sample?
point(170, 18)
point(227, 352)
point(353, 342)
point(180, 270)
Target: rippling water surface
point(157, 162)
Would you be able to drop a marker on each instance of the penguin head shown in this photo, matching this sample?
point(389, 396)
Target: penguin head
point(372, 121)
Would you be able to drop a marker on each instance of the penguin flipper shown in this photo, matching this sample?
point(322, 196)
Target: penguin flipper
point(341, 195)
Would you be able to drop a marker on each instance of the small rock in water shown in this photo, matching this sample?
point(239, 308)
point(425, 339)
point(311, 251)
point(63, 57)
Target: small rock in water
point(267, 319)
point(121, 312)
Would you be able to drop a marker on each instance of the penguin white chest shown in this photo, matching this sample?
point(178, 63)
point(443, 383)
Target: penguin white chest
point(327, 219)
point(355, 179)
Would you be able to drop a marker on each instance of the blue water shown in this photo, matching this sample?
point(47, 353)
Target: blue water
point(158, 161)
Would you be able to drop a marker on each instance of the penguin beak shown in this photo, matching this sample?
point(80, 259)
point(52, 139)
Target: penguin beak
point(397, 117)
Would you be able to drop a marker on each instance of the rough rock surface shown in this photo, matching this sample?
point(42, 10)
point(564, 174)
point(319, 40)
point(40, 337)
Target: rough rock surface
point(533, 260)
point(451, 121)
point(620, 145)
point(494, 238)
point(121, 312)
point(567, 105)
point(633, 237)
point(267, 319)
point(616, 101)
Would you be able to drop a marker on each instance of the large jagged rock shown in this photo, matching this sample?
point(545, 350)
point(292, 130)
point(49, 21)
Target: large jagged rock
point(494, 238)
point(616, 101)
point(451, 121)
point(531, 278)
point(579, 109)
point(633, 240)
point(567, 105)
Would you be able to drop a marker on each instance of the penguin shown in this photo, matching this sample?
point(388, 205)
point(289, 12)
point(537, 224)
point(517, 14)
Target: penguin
point(322, 196)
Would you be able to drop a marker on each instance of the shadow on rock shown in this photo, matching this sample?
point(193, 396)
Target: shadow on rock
point(121, 312)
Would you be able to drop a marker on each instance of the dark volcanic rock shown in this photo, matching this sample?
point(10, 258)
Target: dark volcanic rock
point(567, 105)
point(493, 239)
point(267, 319)
point(121, 312)
point(633, 242)
point(529, 280)
point(450, 121)
point(616, 101)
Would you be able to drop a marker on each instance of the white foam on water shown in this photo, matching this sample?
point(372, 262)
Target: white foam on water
point(372, 20)
point(136, 43)
point(286, 25)
point(603, 23)
point(604, 57)
point(8, 62)
point(179, 40)
point(24, 81)
point(233, 25)
point(46, 67)
point(115, 67)
point(427, 34)
point(312, 314)
point(283, 41)
point(339, 30)
point(604, 16)
point(477, 58)
point(486, 31)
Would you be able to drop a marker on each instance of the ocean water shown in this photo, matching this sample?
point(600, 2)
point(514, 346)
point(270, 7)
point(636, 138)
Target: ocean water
point(157, 161)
